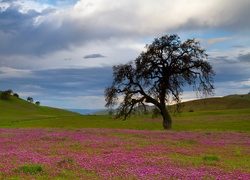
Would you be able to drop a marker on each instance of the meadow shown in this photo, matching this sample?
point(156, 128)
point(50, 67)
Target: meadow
point(46, 143)
point(122, 154)
point(233, 120)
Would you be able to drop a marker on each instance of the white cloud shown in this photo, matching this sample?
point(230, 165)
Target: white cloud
point(72, 84)
point(32, 87)
point(6, 72)
point(245, 83)
point(217, 40)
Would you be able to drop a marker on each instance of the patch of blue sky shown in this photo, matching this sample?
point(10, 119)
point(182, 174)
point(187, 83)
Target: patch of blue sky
point(211, 39)
point(216, 33)
point(58, 3)
point(203, 34)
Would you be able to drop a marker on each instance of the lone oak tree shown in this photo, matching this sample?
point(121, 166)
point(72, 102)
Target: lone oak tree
point(158, 75)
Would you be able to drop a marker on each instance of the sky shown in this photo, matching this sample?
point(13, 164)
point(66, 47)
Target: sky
point(61, 52)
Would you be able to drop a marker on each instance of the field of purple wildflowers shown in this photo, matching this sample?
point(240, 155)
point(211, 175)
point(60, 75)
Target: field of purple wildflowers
point(122, 154)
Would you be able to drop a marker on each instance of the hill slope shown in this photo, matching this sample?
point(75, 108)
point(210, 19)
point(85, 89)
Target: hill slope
point(218, 103)
point(207, 116)
point(207, 104)
point(16, 109)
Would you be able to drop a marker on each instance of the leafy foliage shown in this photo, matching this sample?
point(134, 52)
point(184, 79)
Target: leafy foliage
point(9, 91)
point(4, 95)
point(37, 103)
point(30, 99)
point(16, 95)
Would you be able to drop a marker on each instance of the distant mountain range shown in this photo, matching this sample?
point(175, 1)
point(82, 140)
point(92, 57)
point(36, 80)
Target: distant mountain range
point(86, 111)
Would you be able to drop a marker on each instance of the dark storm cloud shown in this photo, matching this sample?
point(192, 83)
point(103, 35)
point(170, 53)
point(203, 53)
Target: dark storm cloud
point(60, 80)
point(74, 79)
point(230, 69)
point(223, 59)
point(244, 57)
point(12, 21)
point(90, 56)
point(20, 35)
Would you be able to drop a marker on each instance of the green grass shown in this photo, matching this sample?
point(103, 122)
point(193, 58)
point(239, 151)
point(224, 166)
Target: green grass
point(210, 158)
point(210, 121)
point(19, 110)
point(218, 103)
point(31, 169)
point(18, 113)
point(237, 120)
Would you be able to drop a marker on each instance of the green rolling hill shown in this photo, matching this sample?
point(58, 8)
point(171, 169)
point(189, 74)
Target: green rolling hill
point(207, 104)
point(19, 109)
point(229, 113)
point(218, 103)
point(16, 109)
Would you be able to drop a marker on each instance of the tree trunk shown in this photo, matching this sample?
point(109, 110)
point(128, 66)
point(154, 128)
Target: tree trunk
point(167, 121)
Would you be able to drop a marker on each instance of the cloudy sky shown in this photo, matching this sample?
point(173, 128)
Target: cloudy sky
point(61, 52)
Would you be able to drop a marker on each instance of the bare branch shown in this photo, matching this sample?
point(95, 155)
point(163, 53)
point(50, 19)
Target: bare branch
point(159, 74)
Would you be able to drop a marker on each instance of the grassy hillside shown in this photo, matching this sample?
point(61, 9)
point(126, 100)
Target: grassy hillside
point(230, 113)
point(16, 109)
point(208, 104)
point(218, 103)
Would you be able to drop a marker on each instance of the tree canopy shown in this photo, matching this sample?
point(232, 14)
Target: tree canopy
point(158, 75)
point(37, 103)
point(30, 99)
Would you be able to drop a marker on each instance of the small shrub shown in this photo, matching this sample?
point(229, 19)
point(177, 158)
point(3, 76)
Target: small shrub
point(156, 113)
point(31, 169)
point(238, 153)
point(210, 158)
point(191, 141)
point(16, 95)
point(9, 91)
point(30, 99)
point(191, 110)
point(65, 162)
point(70, 160)
point(62, 139)
point(5, 95)
point(37, 103)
